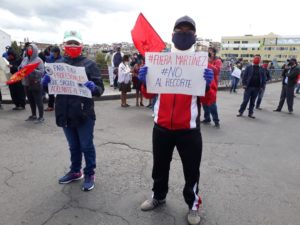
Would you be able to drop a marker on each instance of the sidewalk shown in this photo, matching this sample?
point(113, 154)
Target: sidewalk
point(109, 94)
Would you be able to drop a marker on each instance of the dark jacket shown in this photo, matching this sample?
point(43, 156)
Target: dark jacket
point(292, 75)
point(249, 73)
point(15, 62)
point(71, 110)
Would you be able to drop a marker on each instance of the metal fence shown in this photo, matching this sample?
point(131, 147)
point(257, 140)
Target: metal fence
point(225, 77)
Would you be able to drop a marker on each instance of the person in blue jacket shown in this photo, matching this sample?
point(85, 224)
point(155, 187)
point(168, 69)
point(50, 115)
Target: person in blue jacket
point(76, 115)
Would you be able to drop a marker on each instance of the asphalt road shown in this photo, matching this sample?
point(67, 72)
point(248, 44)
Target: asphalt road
point(249, 171)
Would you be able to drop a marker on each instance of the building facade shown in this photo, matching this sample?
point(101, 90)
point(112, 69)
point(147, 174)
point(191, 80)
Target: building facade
point(5, 40)
point(271, 47)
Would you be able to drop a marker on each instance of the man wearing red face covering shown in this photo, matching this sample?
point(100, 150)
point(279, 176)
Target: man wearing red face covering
point(76, 115)
point(254, 80)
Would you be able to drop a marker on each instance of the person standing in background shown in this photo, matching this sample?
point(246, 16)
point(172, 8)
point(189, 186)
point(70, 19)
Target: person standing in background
point(32, 84)
point(16, 89)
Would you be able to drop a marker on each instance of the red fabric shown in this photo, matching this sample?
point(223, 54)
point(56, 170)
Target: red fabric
point(145, 38)
point(145, 93)
point(211, 95)
point(175, 111)
point(25, 71)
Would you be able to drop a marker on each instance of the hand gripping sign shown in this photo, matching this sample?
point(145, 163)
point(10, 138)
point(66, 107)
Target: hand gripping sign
point(178, 73)
point(67, 80)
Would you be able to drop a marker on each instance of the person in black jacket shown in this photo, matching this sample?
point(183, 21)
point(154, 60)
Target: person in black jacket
point(262, 90)
point(253, 81)
point(16, 89)
point(76, 115)
point(289, 80)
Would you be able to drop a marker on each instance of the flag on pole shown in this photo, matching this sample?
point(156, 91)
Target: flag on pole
point(25, 71)
point(145, 38)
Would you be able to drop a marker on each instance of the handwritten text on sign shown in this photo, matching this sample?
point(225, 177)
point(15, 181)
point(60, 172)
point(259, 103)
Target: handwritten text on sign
point(67, 80)
point(180, 73)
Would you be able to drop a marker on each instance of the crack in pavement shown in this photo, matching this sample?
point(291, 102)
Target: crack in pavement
point(130, 147)
point(124, 144)
point(231, 143)
point(54, 213)
point(12, 174)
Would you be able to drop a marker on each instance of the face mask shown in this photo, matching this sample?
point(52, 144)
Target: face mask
point(209, 55)
point(51, 54)
point(29, 52)
point(73, 51)
point(256, 60)
point(183, 40)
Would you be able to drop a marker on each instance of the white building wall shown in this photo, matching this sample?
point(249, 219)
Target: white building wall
point(5, 40)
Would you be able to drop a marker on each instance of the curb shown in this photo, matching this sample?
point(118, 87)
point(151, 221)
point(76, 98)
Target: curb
point(130, 95)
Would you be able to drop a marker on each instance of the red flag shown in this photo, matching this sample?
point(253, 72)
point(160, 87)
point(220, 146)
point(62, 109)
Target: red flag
point(25, 71)
point(145, 38)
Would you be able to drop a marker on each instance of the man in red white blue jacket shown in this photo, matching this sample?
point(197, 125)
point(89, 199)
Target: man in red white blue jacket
point(177, 123)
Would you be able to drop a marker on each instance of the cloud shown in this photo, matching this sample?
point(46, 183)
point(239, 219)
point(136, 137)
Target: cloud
point(60, 10)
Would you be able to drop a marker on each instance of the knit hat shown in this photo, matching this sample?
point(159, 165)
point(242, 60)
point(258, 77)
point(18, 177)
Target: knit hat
point(185, 20)
point(72, 36)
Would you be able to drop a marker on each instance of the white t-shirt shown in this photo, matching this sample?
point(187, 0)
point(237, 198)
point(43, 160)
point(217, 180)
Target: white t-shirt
point(124, 74)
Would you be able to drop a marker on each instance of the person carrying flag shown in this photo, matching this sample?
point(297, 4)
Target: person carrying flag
point(177, 123)
point(32, 83)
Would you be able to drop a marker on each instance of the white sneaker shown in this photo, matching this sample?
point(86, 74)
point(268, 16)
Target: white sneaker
point(153, 115)
point(193, 217)
point(151, 204)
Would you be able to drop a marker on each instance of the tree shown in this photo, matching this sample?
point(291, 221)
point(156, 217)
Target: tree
point(17, 49)
point(100, 60)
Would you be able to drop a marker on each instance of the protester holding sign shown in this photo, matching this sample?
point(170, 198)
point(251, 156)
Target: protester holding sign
point(76, 115)
point(32, 83)
point(177, 124)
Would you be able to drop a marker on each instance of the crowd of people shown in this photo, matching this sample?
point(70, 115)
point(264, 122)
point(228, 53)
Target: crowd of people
point(175, 125)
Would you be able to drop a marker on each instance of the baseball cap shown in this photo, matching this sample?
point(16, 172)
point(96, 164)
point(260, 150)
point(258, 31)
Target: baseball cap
point(185, 20)
point(72, 36)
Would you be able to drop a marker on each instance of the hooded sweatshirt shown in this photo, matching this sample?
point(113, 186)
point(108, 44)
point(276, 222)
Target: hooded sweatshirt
point(33, 80)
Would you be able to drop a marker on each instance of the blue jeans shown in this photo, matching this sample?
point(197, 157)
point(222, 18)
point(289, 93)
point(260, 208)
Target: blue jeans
point(249, 94)
point(213, 110)
point(80, 141)
point(234, 83)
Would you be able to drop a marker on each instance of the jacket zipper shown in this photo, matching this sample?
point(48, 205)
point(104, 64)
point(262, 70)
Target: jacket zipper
point(173, 111)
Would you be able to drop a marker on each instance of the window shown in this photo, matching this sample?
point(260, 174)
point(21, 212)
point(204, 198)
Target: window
point(236, 42)
point(236, 48)
point(244, 48)
point(244, 42)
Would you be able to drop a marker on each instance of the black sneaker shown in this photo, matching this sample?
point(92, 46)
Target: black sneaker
point(31, 118)
point(251, 116)
point(89, 183)
point(276, 110)
point(205, 121)
point(239, 114)
point(69, 177)
point(217, 125)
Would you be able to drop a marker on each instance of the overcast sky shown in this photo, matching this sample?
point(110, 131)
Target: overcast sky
point(112, 20)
